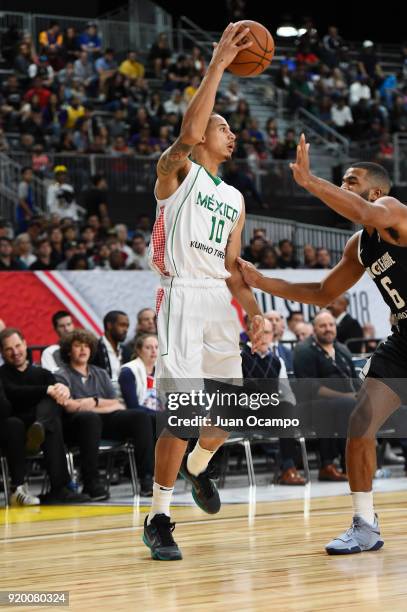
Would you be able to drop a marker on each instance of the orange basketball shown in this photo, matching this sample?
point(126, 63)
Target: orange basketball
point(252, 61)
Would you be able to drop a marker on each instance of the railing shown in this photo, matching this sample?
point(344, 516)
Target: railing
point(400, 159)
point(10, 177)
point(190, 34)
point(23, 21)
point(8, 197)
point(272, 178)
point(120, 35)
point(126, 173)
point(130, 174)
point(299, 233)
point(322, 133)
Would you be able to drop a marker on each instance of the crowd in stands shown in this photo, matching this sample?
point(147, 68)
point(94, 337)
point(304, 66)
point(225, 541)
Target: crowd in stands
point(85, 389)
point(69, 94)
point(82, 237)
point(72, 236)
point(63, 78)
point(348, 89)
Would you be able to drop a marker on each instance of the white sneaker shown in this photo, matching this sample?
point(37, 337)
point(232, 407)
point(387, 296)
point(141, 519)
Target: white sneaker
point(22, 497)
point(390, 456)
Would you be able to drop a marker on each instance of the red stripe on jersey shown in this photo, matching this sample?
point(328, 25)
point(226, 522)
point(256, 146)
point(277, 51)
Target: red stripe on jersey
point(239, 310)
point(158, 300)
point(158, 238)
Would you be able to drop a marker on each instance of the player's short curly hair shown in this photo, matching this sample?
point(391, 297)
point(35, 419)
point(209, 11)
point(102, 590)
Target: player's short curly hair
point(78, 335)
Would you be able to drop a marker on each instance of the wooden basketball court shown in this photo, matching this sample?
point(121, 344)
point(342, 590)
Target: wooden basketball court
point(264, 556)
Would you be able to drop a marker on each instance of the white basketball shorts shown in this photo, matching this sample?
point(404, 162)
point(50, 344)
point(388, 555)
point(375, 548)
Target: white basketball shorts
point(198, 330)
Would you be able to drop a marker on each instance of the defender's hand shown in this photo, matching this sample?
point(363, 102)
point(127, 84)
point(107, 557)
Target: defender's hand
point(300, 168)
point(229, 45)
point(250, 274)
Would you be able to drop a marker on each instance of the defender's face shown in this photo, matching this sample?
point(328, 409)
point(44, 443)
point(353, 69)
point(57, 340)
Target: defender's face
point(219, 138)
point(355, 181)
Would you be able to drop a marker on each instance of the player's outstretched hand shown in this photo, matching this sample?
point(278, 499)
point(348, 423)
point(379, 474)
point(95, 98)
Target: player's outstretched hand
point(230, 44)
point(250, 274)
point(256, 332)
point(300, 167)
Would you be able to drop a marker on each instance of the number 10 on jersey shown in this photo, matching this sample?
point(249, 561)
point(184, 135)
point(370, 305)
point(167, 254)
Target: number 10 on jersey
point(217, 229)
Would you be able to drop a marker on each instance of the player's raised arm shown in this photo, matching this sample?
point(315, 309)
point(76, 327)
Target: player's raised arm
point(382, 212)
point(343, 276)
point(174, 163)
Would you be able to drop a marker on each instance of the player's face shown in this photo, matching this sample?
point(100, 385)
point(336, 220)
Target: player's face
point(355, 181)
point(219, 138)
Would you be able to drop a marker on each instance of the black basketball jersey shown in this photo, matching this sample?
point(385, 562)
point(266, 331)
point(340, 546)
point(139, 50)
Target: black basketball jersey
point(386, 264)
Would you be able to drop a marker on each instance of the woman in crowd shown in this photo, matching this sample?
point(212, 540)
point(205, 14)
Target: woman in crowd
point(136, 379)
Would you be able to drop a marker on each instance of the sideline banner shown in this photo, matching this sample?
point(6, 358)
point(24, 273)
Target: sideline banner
point(28, 300)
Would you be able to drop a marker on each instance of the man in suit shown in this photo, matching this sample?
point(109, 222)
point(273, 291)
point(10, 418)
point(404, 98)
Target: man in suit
point(346, 326)
point(263, 363)
point(330, 387)
point(279, 349)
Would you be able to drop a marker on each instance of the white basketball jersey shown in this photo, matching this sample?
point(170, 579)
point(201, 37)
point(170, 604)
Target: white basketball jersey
point(193, 225)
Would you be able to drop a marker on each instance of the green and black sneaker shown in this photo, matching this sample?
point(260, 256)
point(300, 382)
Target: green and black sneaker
point(204, 490)
point(158, 537)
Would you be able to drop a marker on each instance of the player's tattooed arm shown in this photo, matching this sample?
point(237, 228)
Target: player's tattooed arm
point(173, 158)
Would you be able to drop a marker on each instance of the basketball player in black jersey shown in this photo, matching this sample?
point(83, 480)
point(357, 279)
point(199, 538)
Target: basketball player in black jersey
point(380, 249)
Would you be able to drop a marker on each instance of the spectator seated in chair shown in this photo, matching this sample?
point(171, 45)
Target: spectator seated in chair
point(146, 324)
point(95, 412)
point(331, 378)
point(137, 379)
point(36, 402)
point(51, 356)
point(109, 352)
point(263, 364)
point(13, 445)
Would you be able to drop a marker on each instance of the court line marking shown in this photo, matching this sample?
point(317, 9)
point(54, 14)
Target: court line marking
point(136, 528)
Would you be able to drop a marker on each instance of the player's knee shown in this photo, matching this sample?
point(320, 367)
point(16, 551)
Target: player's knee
point(361, 420)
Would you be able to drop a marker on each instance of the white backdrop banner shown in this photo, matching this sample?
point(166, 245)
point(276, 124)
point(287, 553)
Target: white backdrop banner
point(365, 302)
point(132, 291)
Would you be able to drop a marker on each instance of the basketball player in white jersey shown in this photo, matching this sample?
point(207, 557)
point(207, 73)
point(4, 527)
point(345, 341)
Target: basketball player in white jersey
point(194, 246)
